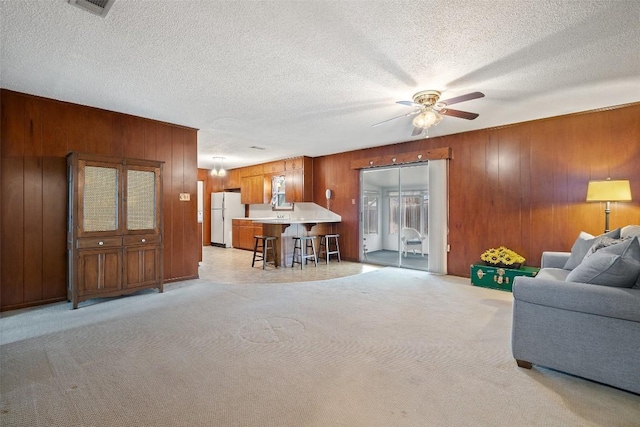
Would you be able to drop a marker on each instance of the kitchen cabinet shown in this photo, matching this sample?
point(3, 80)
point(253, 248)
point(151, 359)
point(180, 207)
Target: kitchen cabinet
point(251, 170)
point(256, 181)
point(243, 232)
point(299, 179)
point(294, 186)
point(273, 167)
point(114, 232)
point(252, 190)
point(232, 180)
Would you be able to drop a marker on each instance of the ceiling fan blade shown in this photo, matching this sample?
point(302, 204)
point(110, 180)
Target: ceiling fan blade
point(393, 118)
point(459, 114)
point(462, 98)
point(416, 131)
point(408, 103)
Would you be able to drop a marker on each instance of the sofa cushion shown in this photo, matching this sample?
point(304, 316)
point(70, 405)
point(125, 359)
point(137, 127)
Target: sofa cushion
point(583, 243)
point(550, 273)
point(608, 268)
point(617, 303)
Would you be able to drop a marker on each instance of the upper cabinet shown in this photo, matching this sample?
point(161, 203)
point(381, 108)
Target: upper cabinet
point(273, 167)
point(295, 163)
point(299, 179)
point(293, 178)
point(252, 189)
point(232, 180)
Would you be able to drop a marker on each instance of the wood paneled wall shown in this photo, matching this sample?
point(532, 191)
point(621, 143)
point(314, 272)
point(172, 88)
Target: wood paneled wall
point(36, 135)
point(522, 186)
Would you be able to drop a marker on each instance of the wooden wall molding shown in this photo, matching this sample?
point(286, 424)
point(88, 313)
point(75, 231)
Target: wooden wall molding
point(403, 158)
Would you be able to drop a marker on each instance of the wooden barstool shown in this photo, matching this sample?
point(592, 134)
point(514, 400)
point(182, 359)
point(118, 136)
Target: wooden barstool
point(264, 243)
point(325, 246)
point(309, 243)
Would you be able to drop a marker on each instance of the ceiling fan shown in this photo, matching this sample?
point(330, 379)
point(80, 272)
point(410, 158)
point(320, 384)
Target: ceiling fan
point(429, 109)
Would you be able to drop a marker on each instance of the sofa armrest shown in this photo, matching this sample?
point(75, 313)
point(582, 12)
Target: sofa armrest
point(554, 259)
point(618, 303)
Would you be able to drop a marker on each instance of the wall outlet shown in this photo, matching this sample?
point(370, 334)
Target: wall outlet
point(353, 201)
point(185, 197)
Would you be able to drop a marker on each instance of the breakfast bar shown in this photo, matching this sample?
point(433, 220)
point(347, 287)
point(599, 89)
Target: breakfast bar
point(285, 229)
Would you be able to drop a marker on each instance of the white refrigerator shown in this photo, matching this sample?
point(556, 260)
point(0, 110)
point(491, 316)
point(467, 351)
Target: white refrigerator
point(224, 207)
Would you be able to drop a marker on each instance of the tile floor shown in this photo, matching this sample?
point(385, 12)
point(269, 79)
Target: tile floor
point(384, 257)
point(228, 265)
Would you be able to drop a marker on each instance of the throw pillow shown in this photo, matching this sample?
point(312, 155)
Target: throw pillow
point(608, 242)
point(607, 268)
point(582, 245)
point(630, 231)
point(618, 246)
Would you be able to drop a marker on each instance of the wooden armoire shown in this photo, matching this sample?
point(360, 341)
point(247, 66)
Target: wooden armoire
point(114, 232)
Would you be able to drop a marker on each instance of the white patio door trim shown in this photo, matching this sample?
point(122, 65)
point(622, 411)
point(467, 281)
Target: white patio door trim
point(438, 215)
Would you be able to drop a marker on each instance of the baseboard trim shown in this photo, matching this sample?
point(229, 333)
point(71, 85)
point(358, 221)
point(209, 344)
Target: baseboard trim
point(32, 304)
point(180, 279)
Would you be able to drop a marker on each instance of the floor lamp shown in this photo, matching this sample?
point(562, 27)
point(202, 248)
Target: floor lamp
point(608, 191)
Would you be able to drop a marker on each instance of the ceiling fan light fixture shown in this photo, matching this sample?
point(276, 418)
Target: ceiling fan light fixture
point(427, 118)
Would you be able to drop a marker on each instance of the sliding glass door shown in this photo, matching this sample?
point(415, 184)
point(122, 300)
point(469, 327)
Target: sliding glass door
point(379, 242)
point(404, 216)
point(394, 217)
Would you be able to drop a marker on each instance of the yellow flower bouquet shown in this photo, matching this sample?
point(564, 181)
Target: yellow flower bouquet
point(502, 257)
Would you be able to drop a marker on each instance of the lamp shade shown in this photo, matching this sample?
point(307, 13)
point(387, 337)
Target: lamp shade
point(609, 191)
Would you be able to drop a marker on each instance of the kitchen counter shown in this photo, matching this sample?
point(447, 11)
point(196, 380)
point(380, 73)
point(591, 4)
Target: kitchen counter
point(285, 229)
point(292, 221)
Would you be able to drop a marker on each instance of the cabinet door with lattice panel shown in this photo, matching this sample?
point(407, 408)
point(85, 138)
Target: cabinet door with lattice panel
point(142, 241)
point(99, 190)
point(142, 199)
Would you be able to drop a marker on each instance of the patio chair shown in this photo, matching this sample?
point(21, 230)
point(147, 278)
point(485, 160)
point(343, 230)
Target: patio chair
point(411, 240)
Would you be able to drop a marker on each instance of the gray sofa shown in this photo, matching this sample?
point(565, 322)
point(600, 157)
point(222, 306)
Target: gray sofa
point(584, 329)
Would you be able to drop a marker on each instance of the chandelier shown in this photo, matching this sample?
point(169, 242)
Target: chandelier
point(218, 167)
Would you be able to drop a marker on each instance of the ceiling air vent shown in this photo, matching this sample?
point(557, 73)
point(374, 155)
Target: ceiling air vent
point(97, 7)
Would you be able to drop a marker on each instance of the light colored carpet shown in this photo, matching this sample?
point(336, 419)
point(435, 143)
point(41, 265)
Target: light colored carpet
point(387, 348)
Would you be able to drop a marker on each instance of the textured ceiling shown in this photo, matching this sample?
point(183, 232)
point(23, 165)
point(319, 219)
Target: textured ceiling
point(310, 77)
